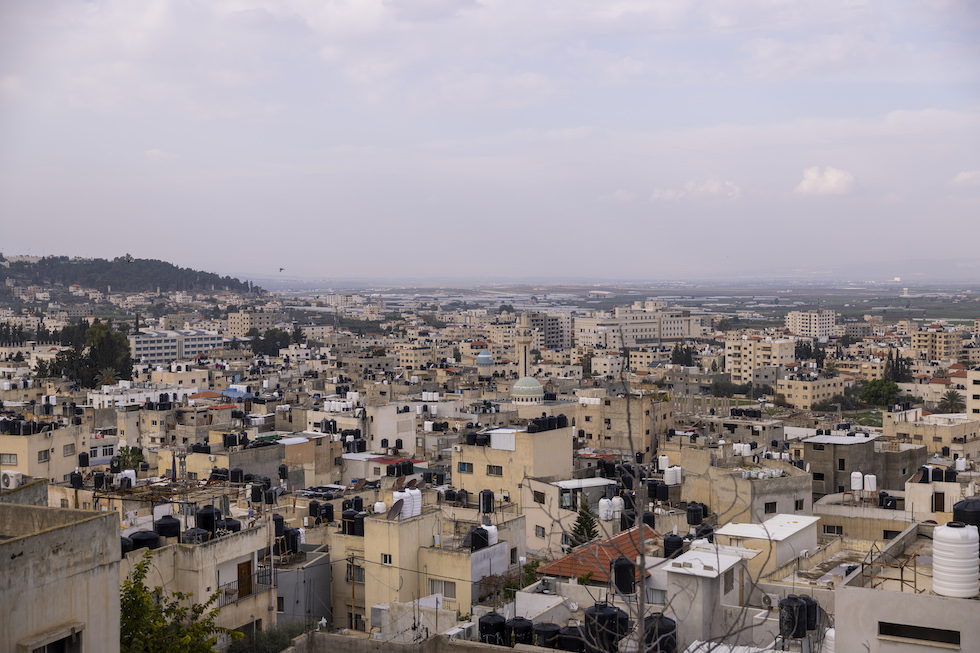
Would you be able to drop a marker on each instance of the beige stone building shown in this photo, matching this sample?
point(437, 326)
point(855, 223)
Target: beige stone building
point(803, 393)
point(601, 421)
point(637, 325)
point(937, 344)
point(745, 354)
point(956, 436)
point(811, 324)
point(240, 323)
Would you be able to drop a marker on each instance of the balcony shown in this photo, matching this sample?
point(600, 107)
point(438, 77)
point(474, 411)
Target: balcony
point(240, 589)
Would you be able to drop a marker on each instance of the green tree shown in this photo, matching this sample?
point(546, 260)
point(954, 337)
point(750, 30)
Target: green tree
point(952, 402)
point(107, 376)
point(879, 392)
point(585, 529)
point(505, 308)
point(129, 457)
point(152, 621)
point(108, 349)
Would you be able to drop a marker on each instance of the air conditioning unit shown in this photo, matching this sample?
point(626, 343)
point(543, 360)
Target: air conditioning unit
point(457, 447)
point(211, 458)
point(11, 480)
point(469, 631)
point(770, 601)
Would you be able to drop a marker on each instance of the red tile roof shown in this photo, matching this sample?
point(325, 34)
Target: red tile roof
point(598, 556)
point(206, 394)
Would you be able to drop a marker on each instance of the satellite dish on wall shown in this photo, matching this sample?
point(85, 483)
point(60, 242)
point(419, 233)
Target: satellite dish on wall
point(395, 510)
point(399, 482)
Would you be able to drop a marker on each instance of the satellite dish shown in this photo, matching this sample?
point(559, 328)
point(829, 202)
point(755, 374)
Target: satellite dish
point(918, 477)
point(413, 482)
point(395, 510)
point(360, 485)
point(399, 482)
point(808, 468)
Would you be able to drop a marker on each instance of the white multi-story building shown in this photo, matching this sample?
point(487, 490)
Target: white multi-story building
point(158, 347)
point(745, 354)
point(811, 324)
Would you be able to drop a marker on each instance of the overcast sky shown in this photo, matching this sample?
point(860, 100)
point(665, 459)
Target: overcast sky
point(491, 138)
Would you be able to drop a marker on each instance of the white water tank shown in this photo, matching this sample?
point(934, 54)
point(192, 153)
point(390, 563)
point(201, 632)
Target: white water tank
point(416, 496)
point(618, 505)
point(961, 464)
point(955, 566)
point(605, 509)
point(857, 481)
point(433, 410)
point(829, 638)
point(418, 410)
point(492, 536)
point(406, 504)
point(870, 483)
point(663, 462)
point(380, 507)
point(673, 475)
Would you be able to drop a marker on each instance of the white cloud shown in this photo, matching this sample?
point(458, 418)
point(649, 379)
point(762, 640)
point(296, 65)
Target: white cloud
point(11, 85)
point(711, 188)
point(829, 182)
point(966, 178)
point(619, 196)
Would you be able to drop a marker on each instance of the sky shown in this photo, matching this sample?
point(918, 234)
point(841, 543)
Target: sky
point(493, 139)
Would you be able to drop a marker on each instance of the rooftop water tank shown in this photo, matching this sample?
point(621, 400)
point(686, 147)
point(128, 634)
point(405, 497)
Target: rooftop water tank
point(967, 511)
point(955, 567)
point(857, 481)
point(545, 634)
point(486, 501)
point(493, 629)
point(145, 540)
point(792, 617)
point(661, 633)
point(167, 526)
point(624, 575)
point(870, 483)
point(672, 544)
point(605, 509)
point(571, 638)
point(518, 631)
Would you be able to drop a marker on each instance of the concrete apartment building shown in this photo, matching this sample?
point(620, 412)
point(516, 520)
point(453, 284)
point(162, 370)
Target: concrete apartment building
point(59, 583)
point(51, 450)
point(508, 456)
point(833, 458)
point(601, 421)
point(163, 347)
point(240, 323)
point(936, 344)
point(811, 324)
point(951, 436)
point(746, 353)
point(643, 323)
point(972, 393)
point(802, 391)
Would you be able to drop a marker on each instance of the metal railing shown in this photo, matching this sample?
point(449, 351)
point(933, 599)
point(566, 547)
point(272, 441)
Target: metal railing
point(235, 591)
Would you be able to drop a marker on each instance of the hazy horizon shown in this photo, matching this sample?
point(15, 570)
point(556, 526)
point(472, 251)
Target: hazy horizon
point(496, 139)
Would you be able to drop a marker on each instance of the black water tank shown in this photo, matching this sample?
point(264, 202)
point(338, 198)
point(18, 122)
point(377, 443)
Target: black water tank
point(145, 540)
point(76, 480)
point(624, 575)
point(392, 470)
point(115, 465)
point(486, 501)
point(471, 438)
point(663, 492)
point(949, 476)
point(792, 617)
point(519, 631)
point(283, 472)
point(314, 508)
point(661, 633)
point(629, 501)
point(127, 545)
point(695, 514)
point(359, 524)
point(292, 540)
point(236, 475)
point(384, 443)
point(493, 629)
point(562, 421)
point(83, 459)
point(270, 497)
point(967, 511)
point(482, 440)
point(450, 496)
point(348, 504)
point(205, 518)
point(706, 532)
point(280, 524)
point(463, 498)
point(605, 625)
point(627, 520)
point(347, 522)
point(926, 476)
point(256, 493)
point(480, 539)
point(937, 474)
point(99, 479)
point(266, 482)
point(167, 526)
point(357, 503)
point(545, 634)
point(398, 444)
point(650, 519)
point(672, 544)
point(811, 610)
point(194, 536)
point(440, 478)
point(571, 638)
point(228, 524)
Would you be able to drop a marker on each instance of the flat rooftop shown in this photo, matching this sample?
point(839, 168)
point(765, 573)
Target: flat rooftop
point(777, 528)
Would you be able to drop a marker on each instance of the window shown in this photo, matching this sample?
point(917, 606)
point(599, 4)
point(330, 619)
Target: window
point(466, 468)
point(771, 508)
point(107, 451)
point(64, 503)
point(818, 447)
point(840, 464)
point(191, 476)
point(8, 459)
point(42, 456)
point(338, 461)
point(566, 539)
point(729, 580)
point(495, 470)
point(539, 531)
point(356, 573)
point(377, 471)
point(798, 505)
point(280, 604)
point(513, 556)
point(445, 587)
point(588, 418)
point(538, 496)
point(386, 559)
point(918, 634)
point(831, 529)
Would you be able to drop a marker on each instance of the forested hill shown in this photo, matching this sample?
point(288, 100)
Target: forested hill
point(123, 274)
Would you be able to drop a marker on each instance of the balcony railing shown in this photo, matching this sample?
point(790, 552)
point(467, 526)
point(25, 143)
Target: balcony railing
point(235, 591)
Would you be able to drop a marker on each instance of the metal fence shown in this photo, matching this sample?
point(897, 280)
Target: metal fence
point(235, 591)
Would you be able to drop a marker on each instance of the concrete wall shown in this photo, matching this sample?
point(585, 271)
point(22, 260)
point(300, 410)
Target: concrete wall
point(60, 572)
point(305, 589)
point(32, 493)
